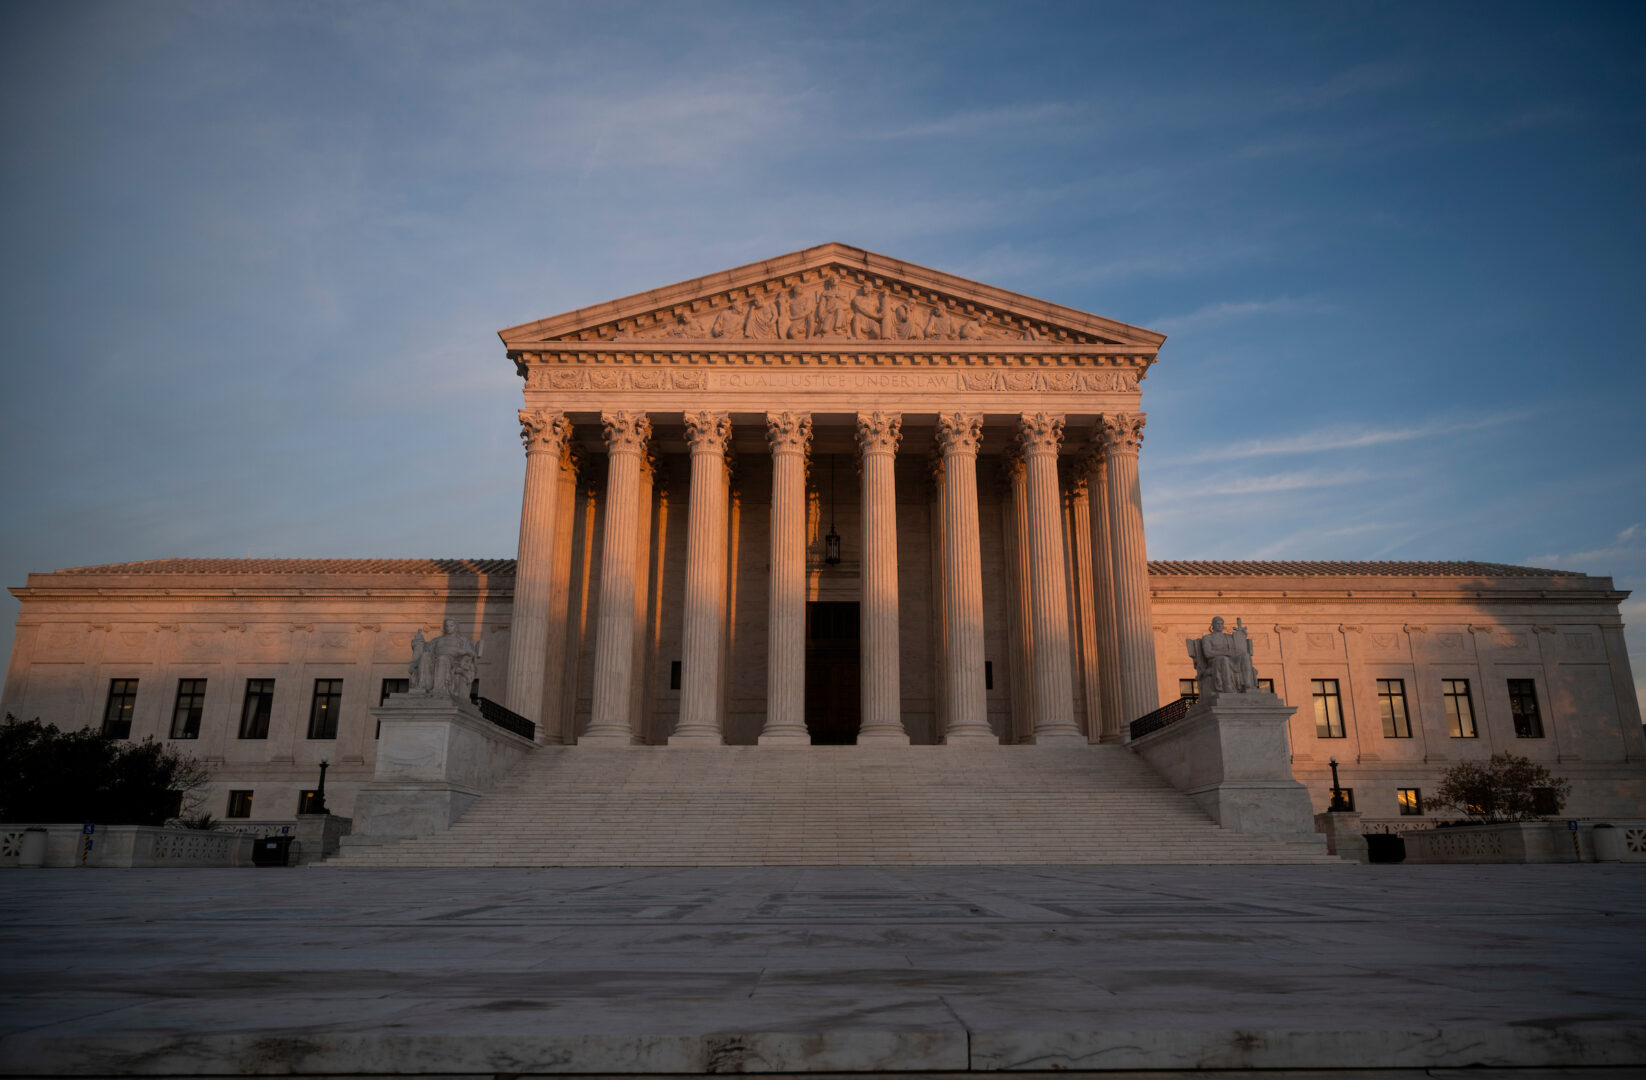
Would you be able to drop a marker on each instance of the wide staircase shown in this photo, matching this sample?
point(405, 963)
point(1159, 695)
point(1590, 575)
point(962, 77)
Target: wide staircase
point(835, 805)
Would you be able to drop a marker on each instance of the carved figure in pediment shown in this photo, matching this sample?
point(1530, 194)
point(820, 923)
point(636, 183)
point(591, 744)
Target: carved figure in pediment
point(761, 325)
point(975, 330)
point(868, 314)
point(833, 312)
point(903, 323)
point(728, 322)
point(939, 324)
point(1223, 660)
point(794, 314)
point(683, 326)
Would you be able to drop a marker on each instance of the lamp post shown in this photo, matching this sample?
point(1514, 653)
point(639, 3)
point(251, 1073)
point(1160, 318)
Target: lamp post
point(1339, 803)
point(318, 806)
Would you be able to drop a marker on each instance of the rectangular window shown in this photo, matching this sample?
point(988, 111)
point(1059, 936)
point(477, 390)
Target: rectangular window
point(1267, 686)
point(674, 674)
point(1411, 801)
point(392, 687)
point(255, 712)
point(1328, 709)
point(1348, 794)
point(1391, 702)
point(117, 713)
point(1189, 688)
point(191, 702)
point(239, 804)
point(1460, 710)
point(988, 674)
point(328, 699)
point(1523, 703)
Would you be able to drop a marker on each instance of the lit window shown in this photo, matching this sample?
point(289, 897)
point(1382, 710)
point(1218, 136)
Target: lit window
point(255, 712)
point(1328, 709)
point(392, 687)
point(1523, 703)
point(1189, 688)
point(328, 699)
point(1411, 801)
point(1391, 702)
point(1266, 685)
point(191, 702)
point(1460, 710)
point(239, 804)
point(117, 713)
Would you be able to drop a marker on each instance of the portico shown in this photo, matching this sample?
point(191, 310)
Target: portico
point(688, 447)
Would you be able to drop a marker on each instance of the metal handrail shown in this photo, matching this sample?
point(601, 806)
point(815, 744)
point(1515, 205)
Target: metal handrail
point(506, 718)
point(1166, 714)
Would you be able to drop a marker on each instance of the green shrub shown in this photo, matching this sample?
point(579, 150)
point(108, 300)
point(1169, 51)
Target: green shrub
point(47, 775)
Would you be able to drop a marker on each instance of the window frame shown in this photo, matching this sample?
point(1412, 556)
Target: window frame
point(1414, 808)
point(254, 723)
point(1390, 693)
point(123, 691)
point(187, 708)
point(239, 799)
point(1324, 702)
point(323, 709)
point(1527, 725)
point(1455, 715)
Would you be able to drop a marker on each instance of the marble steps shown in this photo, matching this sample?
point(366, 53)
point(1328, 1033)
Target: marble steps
point(762, 806)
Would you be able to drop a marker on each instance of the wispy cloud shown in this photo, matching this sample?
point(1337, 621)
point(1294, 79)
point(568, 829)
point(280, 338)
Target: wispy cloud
point(1239, 486)
point(1627, 545)
point(1013, 119)
point(1237, 309)
point(1353, 438)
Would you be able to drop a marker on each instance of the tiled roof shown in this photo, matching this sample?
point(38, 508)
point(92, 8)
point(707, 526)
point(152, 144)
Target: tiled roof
point(505, 568)
point(303, 566)
point(1244, 568)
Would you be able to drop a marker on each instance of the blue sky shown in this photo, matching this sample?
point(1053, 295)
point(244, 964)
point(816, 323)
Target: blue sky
point(254, 256)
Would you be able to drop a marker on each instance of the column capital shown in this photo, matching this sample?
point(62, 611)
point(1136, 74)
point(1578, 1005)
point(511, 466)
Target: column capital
point(571, 459)
point(707, 432)
point(959, 433)
point(789, 432)
point(626, 431)
point(544, 431)
point(879, 432)
point(1121, 432)
point(1089, 459)
point(1039, 433)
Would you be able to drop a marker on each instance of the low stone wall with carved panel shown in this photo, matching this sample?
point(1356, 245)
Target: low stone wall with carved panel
point(1526, 842)
point(131, 846)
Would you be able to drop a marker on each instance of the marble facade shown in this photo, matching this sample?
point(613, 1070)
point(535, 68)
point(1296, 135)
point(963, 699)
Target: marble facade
point(690, 450)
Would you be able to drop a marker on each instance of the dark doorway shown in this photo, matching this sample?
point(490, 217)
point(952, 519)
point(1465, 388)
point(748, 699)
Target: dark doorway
point(834, 698)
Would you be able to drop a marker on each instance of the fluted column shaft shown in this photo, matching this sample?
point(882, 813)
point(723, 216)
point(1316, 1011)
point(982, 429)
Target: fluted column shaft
point(1108, 649)
point(1134, 623)
point(790, 435)
point(553, 726)
point(705, 615)
point(1080, 561)
point(626, 435)
point(1020, 621)
point(958, 435)
point(1040, 434)
point(877, 437)
point(544, 434)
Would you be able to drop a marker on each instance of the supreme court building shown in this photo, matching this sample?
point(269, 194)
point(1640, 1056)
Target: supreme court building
point(835, 498)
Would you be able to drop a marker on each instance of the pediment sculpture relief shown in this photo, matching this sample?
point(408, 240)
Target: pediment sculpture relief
point(833, 309)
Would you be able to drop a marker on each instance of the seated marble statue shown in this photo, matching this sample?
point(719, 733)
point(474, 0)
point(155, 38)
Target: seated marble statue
point(446, 665)
point(1223, 660)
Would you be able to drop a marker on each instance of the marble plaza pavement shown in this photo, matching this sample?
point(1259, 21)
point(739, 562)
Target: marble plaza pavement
point(923, 969)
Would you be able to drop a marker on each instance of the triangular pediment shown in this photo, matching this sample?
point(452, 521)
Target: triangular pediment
point(827, 296)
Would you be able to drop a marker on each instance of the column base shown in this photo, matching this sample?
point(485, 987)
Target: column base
point(601, 739)
point(1113, 738)
point(883, 738)
point(971, 738)
point(1060, 738)
point(695, 738)
point(784, 738)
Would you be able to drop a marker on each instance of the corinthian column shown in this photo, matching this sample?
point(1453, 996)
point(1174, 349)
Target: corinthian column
point(1122, 433)
point(1039, 435)
point(877, 437)
point(562, 649)
point(705, 615)
point(1020, 617)
point(626, 435)
point(544, 434)
point(790, 435)
point(1108, 651)
point(1085, 601)
point(957, 437)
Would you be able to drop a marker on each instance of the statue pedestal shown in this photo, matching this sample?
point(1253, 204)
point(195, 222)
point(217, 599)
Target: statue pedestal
point(435, 757)
point(1229, 754)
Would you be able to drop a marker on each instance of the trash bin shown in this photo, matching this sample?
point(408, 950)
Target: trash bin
point(33, 851)
point(1608, 843)
point(271, 850)
point(1385, 847)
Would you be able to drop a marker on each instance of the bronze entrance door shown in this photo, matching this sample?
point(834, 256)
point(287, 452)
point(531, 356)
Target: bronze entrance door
point(834, 700)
